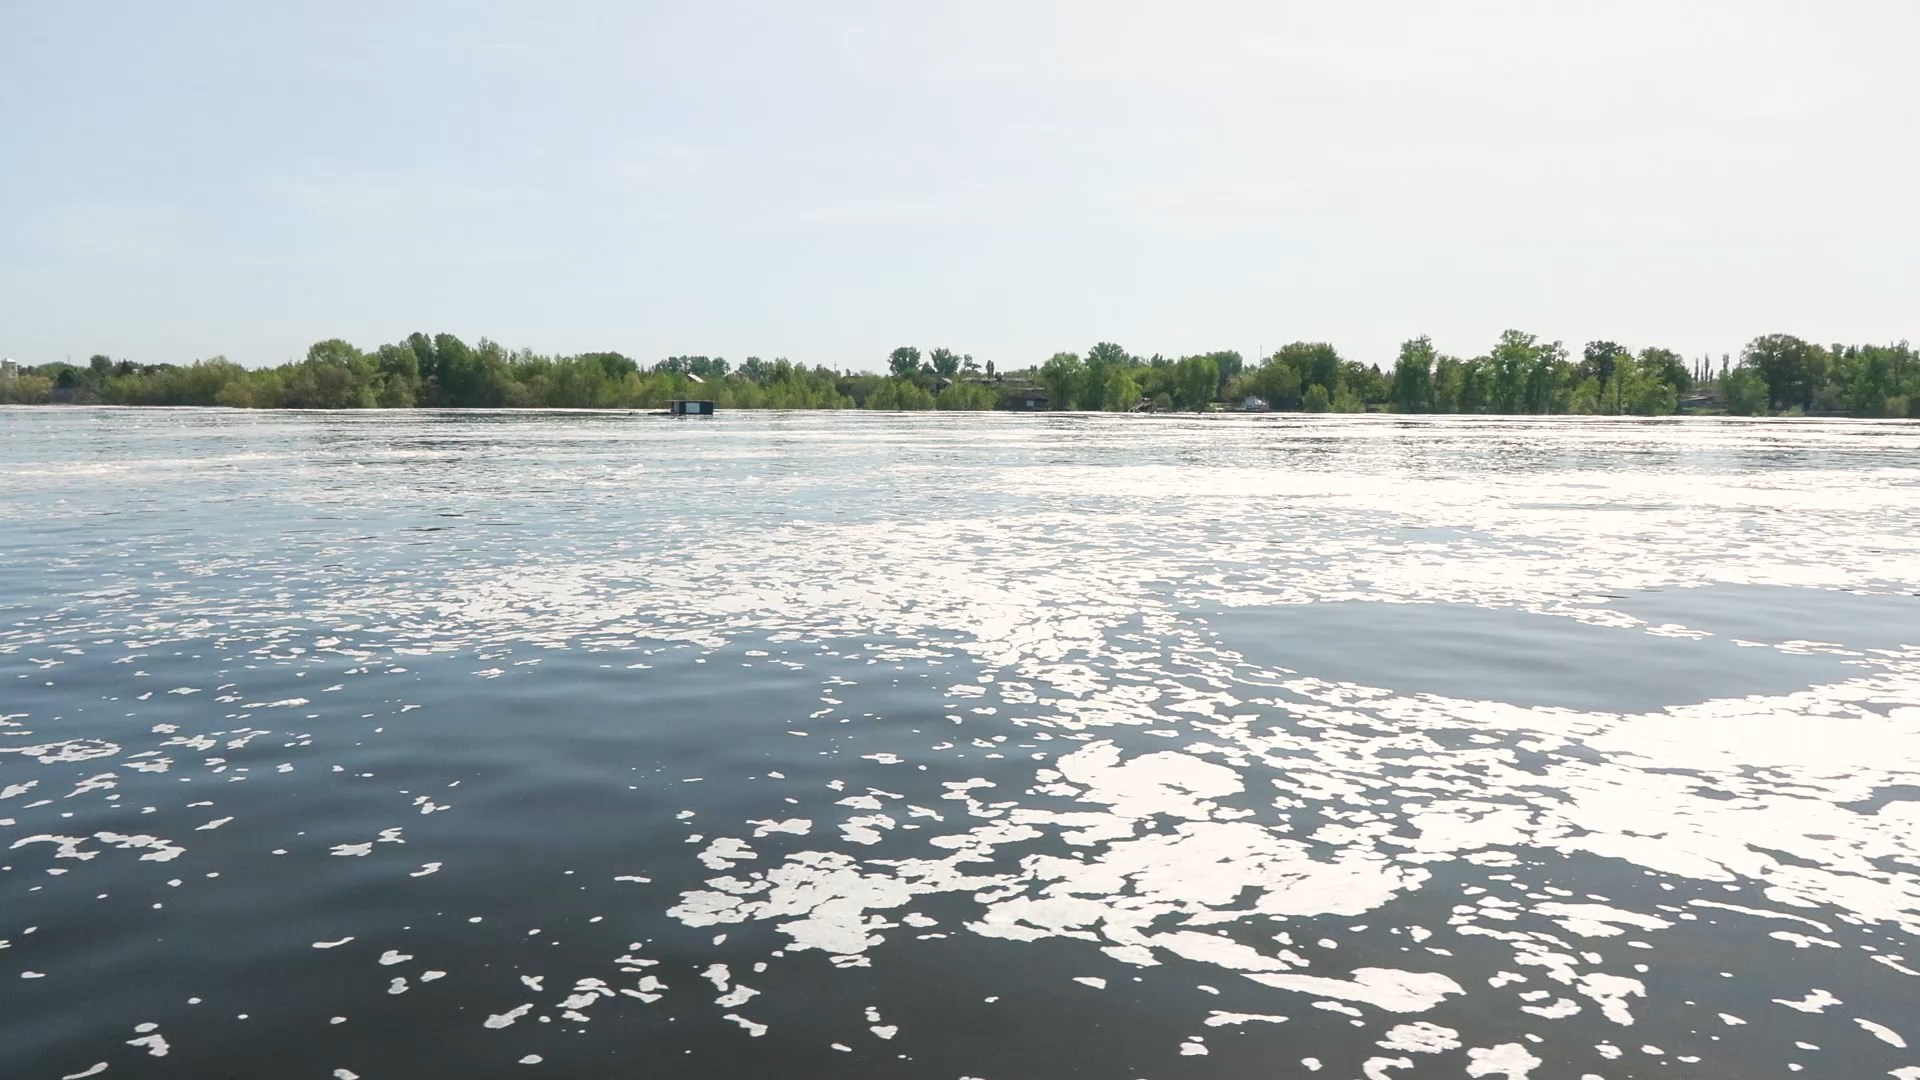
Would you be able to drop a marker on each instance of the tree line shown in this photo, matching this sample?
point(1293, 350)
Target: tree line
point(1520, 374)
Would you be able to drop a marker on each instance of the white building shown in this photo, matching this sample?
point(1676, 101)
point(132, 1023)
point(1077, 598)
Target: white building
point(9, 370)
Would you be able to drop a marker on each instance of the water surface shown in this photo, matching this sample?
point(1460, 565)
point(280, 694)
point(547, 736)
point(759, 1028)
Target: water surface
point(581, 745)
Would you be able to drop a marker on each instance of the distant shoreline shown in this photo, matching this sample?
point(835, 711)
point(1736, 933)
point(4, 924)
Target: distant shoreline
point(1521, 375)
point(1210, 414)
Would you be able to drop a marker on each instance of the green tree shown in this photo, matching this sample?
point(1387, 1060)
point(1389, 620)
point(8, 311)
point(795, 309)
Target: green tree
point(1096, 376)
point(426, 360)
point(1367, 381)
point(1653, 396)
point(1196, 381)
point(27, 390)
point(1318, 363)
point(237, 394)
point(1228, 363)
point(1667, 366)
point(395, 393)
point(469, 378)
point(946, 363)
point(1316, 400)
point(1547, 377)
point(904, 362)
point(457, 372)
point(1062, 375)
point(1867, 380)
point(1476, 384)
point(1583, 397)
point(1597, 361)
point(966, 396)
point(1640, 390)
point(1745, 392)
point(1413, 376)
point(1122, 392)
point(1449, 384)
point(335, 352)
point(1276, 381)
point(900, 395)
point(1512, 360)
point(399, 365)
point(1791, 368)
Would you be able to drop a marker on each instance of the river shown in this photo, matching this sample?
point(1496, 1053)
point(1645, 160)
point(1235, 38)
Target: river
point(440, 744)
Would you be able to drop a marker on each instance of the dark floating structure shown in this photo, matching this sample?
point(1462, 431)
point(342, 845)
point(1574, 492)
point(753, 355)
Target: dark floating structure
point(683, 407)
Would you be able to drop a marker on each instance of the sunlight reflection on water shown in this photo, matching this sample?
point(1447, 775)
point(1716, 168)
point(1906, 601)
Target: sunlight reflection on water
point(957, 745)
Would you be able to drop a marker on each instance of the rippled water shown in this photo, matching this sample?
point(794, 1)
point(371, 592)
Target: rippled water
point(805, 745)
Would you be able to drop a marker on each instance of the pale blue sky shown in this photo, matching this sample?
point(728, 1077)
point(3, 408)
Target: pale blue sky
point(826, 180)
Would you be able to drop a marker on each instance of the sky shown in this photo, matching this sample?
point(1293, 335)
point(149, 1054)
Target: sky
point(1007, 178)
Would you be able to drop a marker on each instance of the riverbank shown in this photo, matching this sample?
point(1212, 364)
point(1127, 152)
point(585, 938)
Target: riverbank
point(1522, 375)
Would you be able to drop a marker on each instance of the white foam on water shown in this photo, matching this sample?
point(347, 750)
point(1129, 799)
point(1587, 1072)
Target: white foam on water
point(1816, 1001)
point(1217, 1018)
point(1761, 913)
point(1386, 988)
point(1421, 1037)
point(506, 1019)
point(1882, 1032)
point(1611, 992)
point(791, 826)
point(1509, 1060)
point(1194, 852)
point(752, 1029)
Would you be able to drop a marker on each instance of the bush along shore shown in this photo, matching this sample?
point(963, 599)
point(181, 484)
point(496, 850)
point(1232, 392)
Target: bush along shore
point(1774, 374)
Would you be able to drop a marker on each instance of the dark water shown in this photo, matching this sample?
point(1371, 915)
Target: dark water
point(455, 745)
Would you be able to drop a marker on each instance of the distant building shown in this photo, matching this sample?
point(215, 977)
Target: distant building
point(1253, 404)
point(9, 371)
point(1028, 400)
